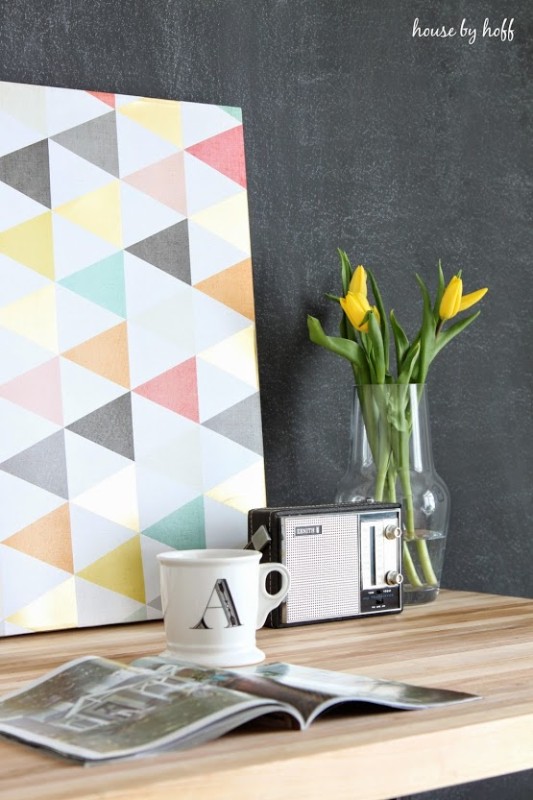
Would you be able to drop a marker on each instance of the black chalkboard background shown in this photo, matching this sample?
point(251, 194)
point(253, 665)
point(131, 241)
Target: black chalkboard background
point(399, 149)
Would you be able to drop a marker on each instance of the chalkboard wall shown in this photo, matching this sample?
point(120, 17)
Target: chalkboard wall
point(400, 149)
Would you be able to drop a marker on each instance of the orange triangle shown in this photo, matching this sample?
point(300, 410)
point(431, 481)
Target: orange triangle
point(233, 287)
point(105, 97)
point(105, 354)
point(47, 539)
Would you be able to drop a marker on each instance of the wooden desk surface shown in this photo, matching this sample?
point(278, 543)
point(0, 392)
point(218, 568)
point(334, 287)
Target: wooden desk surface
point(471, 642)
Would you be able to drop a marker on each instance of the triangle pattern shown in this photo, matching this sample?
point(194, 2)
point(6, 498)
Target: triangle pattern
point(109, 426)
point(162, 117)
point(26, 104)
point(88, 464)
point(39, 578)
point(66, 108)
point(38, 391)
point(225, 153)
point(120, 570)
point(229, 221)
point(93, 536)
point(206, 186)
point(129, 416)
point(229, 424)
point(76, 248)
point(102, 283)
point(43, 464)
point(23, 504)
point(84, 391)
point(72, 176)
point(58, 604)
point(17, 208)
point(115, 499)
point(98, 212)
point(31, 244)
point(168, 250)
point(105, 354)
point(105, 97)
point(183, 529)
point(94, 141)
point(100, 606)
point(175, 389)
point(218, 390)
point(164, 181)
point(28, 171)
point(233, 287)
point(47, 539)
point(138, 147)
point(21, 429)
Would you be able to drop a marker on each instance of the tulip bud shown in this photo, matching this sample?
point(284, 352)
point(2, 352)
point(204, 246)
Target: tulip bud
point(451, 299)
point(358, 281)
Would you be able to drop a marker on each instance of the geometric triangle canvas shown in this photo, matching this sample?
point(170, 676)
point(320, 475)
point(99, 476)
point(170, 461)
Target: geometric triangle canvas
point(130, 422)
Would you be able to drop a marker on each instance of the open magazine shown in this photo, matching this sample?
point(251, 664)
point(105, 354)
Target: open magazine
point(93, 709)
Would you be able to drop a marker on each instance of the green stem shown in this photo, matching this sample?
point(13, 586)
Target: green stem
point(409, 568)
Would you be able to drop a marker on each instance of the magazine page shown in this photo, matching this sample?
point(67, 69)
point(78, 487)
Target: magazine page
point(336, 687)
point(311, 691)
point(95, 709)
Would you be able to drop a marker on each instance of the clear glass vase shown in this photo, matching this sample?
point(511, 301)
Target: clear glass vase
point(391, 460)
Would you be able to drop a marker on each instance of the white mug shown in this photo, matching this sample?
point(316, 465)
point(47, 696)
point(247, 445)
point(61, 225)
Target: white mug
point(213, 603)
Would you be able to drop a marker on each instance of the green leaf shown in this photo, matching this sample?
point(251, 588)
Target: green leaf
point(383, 317)
point(378, 349)
point(409, 363)
point(346, 270)
point(331, 296)
point(440, 292)
point(401, 342)
point(446, 336)
point(426, 335)
point(342, 347)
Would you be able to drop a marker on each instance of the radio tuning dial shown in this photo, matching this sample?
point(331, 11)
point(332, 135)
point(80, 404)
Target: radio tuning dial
point(393, 578)
point(392, 532)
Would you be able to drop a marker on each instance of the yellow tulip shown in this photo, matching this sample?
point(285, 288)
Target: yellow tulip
point(356, 307)
point(453, 301)
point(358, 281)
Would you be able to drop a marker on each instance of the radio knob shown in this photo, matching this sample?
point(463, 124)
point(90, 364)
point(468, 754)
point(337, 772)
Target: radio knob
point(392, 532)
point(393, 578)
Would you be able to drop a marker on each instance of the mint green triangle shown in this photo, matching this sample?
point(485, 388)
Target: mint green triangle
point(102, 283)
point(233, 111)
point(184, 529)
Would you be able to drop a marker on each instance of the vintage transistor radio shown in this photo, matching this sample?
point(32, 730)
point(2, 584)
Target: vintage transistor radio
point(344, 560)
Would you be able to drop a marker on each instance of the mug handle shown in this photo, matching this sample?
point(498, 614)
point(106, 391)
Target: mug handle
point(268, 601)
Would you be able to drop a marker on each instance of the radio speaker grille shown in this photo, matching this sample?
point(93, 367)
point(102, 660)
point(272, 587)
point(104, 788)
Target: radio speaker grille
point(321, 553)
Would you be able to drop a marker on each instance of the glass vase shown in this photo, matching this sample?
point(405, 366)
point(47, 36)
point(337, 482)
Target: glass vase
point(391, 460)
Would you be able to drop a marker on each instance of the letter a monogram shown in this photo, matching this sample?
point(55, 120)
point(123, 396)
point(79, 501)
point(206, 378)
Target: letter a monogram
point(222, 590)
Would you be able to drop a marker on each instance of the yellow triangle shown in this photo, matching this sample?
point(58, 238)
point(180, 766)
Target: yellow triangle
point(233, 287)
point(229, 220)
point(162, 117)
point(98, 212)
point(53, 610)
point(114, 499)
point(236, 355)
point(242, 491)
point(120, 570)
point(31, 244)
point(34, 317)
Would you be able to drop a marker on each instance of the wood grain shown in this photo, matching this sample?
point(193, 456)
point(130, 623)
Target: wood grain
point(472, 642)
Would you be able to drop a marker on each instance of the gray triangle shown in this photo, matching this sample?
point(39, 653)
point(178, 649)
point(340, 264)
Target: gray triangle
point(168, 250)
point(44, 464)
point(110, 426)
point(95, 141)
point(241, 423)
point(28, 171)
